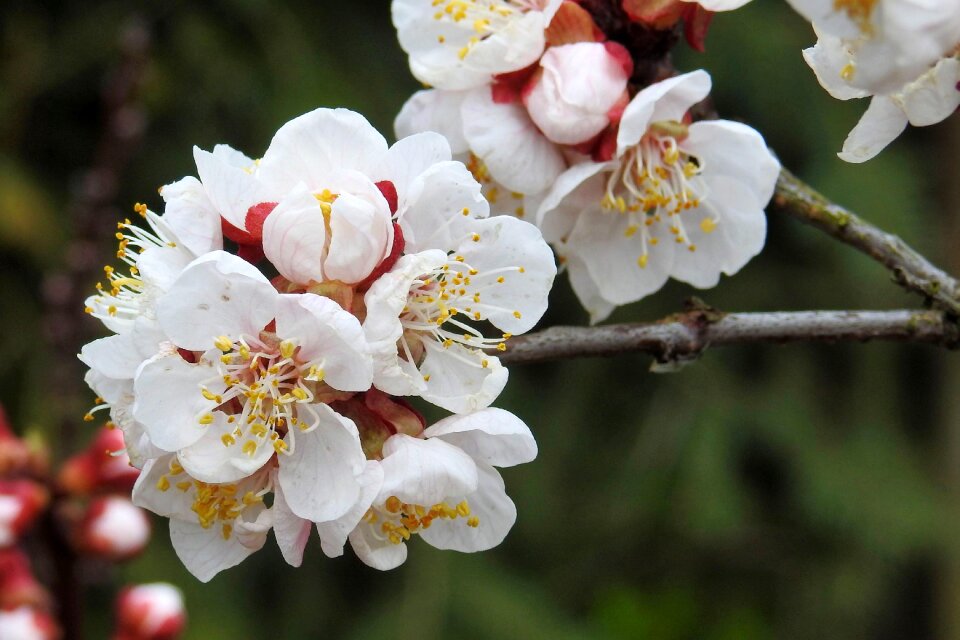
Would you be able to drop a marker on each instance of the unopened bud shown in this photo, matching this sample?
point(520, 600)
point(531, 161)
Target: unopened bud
point(21, 501)
point(18, 586)
point(150, 612)
point(103, 466)
point(26, 623)
point(114, 529)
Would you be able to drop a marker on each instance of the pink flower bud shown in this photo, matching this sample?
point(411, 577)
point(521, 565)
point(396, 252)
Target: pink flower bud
point(571, 99)
point(21, 501)
point(25, 623)
point(103, 466)
point(113, 528)
point(150, 612)
point(18, 586)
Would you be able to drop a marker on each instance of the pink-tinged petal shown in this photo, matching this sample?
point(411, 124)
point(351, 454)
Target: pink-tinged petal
point(935, 95)
point(327, 335)
point(376, 552)
point(361, 234)
point(169, 402)
point(432, 212)
point(433, 110)
point(665, 100)
point(735, 150)
point(490, 504)
point(217, 294)
point(829, 59)
point(209, 459)
point(191, 216)
point(292, 531)
point(517, 155)
point(334, 534)
point(515, 272)
point(586, 290)
point(425, 471)
point(295, 237)
point(410, 156)
point(612, 257)
point(569, 104)
point(317, 145)
point(880, 125)
point(231, 190)
point(493, 436)
point(319, 476)
point(114, 357)
point(205, 552)
point(456, 378)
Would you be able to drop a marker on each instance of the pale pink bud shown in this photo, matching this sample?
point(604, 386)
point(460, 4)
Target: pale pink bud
point(113, 528)
point(25, 623)
point(21, 501)
point(576, 94)
point(150, 612)
point(102, 466)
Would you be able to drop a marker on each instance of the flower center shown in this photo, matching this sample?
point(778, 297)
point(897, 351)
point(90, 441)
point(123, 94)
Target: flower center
point(213, 503)
point(859, 11)
point(654, 183)
point(398, 520)
point(267, 391)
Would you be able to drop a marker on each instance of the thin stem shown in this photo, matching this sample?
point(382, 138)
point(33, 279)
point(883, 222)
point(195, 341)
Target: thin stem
point(910, 269)
point(685, 336)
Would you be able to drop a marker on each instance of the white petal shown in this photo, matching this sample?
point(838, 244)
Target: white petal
point(218, 294)
point(376, 552)
point(169, 401)
point(720, 5)
point(319, 476)
point(733, 149)
point(431, 214)
point(231, 190)
point(586, 290)
point(115, 357)
point(829, 59)
point(433, 110)
point(204, 552)
point(493, 436)
point(665, 100)
point(491, 504)
point(935, 95)
point(576, 190)
point(295, 237)
point(334, 534)
point(210, 460)
point(191, 216)
point(328, 334)
point(457, 380)
point(880, 125)
point(160, 266)
point(410, 156)
point(425, 471)
point(171, 503)
point(517, 155)
point(361, 235)
point(313, 147)
point(292, 531)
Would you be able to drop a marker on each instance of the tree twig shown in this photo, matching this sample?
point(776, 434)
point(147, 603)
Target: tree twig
point(686, 335)
point(910, 269)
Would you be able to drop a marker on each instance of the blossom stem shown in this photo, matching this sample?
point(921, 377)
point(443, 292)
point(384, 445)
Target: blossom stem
point(910, 269)
point(685, 336)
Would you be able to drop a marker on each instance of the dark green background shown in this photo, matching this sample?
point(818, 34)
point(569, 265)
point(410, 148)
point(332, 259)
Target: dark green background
point(762, 492)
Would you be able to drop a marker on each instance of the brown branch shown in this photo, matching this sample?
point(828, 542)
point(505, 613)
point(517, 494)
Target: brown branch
point(685, 336)
point(910, 269)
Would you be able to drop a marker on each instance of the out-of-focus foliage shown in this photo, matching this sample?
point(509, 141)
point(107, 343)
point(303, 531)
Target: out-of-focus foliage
point(761, 492)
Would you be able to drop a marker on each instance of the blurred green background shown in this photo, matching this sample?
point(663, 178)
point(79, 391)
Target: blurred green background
point(762, 492)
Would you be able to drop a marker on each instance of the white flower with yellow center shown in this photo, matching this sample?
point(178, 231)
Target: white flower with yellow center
point(248, 383)
point(442, 487)
point(458, 44)
point(422, 315)
point(678, 200)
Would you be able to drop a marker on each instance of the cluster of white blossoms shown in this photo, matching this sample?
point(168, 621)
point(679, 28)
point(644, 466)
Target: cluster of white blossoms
point(537, 102)
point(267, 324)
point(903, 54)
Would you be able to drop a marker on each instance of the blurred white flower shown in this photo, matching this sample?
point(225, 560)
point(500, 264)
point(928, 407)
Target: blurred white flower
point(26, 623)
point(150, 612)
point(114, 528)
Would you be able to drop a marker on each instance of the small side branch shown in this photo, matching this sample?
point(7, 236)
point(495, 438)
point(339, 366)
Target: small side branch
point(910, 269)
point(685, 336)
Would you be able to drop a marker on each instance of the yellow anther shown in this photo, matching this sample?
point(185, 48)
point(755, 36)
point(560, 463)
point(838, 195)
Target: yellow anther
point(163, 483)
point(206, 419)
point(211, 396)
point(279, 446)
point(249, 447)
point(502, 346)
point(88, 417)
point(227, 531)
point(183, 485)
point(426, 378)
point(642, 261)
point(473, 521)
point(227, 440)
point(519, 212)
point(707, 225)
point(463, 509)
point(287, 348)
point(631, 230)
point(847, 72)
point(517, 315)
point(465, 211)
point(393, 504)
point(175, 468)
point(500, 279)
point(299, 393)
point(223, 343)
point(476, 238)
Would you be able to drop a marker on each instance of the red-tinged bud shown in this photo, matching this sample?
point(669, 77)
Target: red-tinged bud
point(572, 23)
point(14, 454)
point(26, 623)
point(509, 87)
point(114, 529)
point(396, 250)
point(150, 612)
point(21, 501)
point(389, 192)
point(657, 14)
point(256, 216)
point(379, 416)
point(696, 22)
point(18, 586)
point(103, 466)
point(249, 239)
point(619, 53)
point(396, 412)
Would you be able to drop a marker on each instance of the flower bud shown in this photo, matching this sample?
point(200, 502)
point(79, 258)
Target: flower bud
point(14, 453)
point(103, 466)
point(21, 501)
point(25, 623)
point(18, 586)
point(575, 95)
point(113, 528)
point(150, 612)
